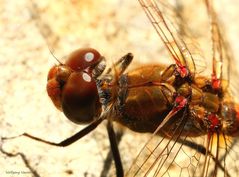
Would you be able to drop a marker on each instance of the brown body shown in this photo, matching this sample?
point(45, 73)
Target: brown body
point(145, 104)
point(148, 95)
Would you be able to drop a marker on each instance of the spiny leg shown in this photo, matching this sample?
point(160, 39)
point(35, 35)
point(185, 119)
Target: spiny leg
point(121, 65)
point(115, 150)
point(67, 141)
point(109, 157)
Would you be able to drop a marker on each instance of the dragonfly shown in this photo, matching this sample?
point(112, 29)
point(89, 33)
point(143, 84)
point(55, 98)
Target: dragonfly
point(213, 144)
point(190, 116)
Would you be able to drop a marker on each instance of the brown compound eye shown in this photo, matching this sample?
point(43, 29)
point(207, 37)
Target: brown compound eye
point(72, 88)
point(82, 59)
point(80, 100)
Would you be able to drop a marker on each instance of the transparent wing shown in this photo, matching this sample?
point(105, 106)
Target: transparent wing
point(174, 154)
point(184, 155)
point(218, 156)
point(223, 65)
point(176, 13)
point(156, 153)
point(169, 35)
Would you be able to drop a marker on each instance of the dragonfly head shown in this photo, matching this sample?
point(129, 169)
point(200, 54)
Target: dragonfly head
point(72, 88)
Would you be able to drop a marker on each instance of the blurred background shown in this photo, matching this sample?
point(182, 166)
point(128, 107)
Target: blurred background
point(32, 31)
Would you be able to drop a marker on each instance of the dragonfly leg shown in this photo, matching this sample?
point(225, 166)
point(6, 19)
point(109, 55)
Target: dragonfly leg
point(115, 150)
point(67, 141)
point(109, 157)
point(122, 64)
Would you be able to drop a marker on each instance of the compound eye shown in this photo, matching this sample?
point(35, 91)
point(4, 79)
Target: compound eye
point(82, 59)
point(80, 100)
point(72, 88)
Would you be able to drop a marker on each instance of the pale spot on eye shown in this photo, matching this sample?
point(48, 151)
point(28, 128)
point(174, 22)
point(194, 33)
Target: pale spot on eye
point(86, 77)
point(89, 56)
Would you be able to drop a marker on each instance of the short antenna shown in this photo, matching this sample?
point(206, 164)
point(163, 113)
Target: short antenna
point(51, 51)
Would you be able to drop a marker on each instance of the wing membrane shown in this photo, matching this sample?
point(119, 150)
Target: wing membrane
point(176, 13)
point(170, 37)
point(152, 155)
point(223, 65)
point(217, 47)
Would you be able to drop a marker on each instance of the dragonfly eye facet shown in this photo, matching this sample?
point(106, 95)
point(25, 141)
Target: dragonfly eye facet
point(72, 88)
